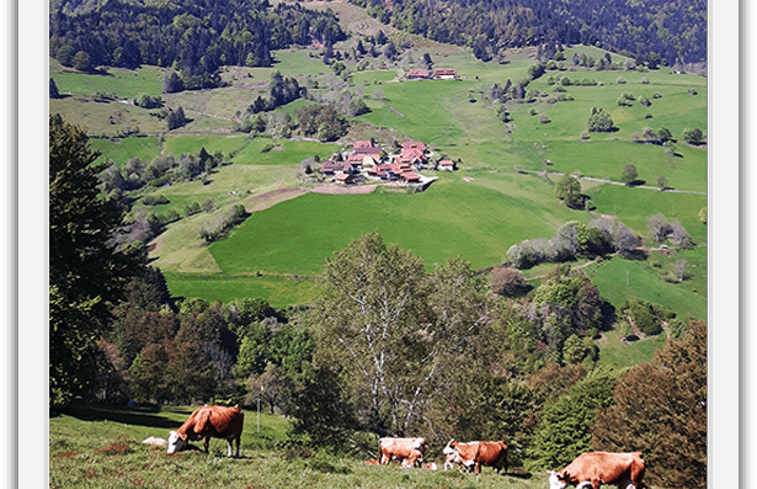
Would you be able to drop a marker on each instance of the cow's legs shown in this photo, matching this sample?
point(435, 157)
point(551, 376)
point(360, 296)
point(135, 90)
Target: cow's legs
point(230, 445)
point(206, 443)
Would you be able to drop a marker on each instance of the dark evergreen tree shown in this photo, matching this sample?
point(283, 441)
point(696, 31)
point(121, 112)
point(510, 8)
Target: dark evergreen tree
point(88, 274)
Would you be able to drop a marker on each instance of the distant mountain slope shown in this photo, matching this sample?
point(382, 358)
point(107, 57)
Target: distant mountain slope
point(652, 31)
point(195, 36)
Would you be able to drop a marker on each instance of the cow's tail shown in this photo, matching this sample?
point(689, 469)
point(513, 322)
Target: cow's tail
point(380, 452)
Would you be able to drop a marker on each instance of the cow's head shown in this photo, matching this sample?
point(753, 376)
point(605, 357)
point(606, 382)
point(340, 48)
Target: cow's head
point(419, 444)
point(450, 448)
point(175, 442)
point(556, 480)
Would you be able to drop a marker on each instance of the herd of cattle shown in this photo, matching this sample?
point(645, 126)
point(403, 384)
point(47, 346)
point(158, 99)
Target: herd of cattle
point(588, 470)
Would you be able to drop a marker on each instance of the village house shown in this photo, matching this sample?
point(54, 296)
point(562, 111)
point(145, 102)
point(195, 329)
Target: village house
point(418, 75)
point(447, 165)
point(444, 74)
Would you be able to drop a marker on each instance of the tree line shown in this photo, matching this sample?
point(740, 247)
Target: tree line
point(195, 37)
point(386, 347)
point(654, 33)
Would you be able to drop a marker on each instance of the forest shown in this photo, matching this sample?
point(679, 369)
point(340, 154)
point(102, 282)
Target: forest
point(654, 32)
point(196, 37)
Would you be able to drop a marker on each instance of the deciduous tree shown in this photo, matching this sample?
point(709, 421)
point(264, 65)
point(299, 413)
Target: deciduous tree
point(660, 409)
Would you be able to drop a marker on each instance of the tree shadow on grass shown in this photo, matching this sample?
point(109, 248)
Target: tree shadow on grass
point(130, 415)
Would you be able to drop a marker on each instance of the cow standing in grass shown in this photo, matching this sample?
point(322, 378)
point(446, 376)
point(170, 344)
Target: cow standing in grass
point(597, 468)
point(474, 454)
point(209, 422)
point(408, 450)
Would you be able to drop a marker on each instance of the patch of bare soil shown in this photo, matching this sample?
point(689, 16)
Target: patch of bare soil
point(335, 189)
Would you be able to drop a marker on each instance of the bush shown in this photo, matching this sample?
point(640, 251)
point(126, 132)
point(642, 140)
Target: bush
point(642, 313)
point(600, 121)
point(155, 200)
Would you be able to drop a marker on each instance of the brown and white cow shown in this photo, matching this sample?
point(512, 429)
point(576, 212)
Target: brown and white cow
point(209, 422)
point(594, 469)
point(478, 453)
point(408, 450)
point(453, 457)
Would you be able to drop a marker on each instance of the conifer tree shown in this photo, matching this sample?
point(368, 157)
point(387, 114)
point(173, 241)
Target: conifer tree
point(87, 273)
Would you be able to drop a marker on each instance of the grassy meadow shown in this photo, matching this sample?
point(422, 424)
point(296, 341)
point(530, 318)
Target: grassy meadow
point(101, 447)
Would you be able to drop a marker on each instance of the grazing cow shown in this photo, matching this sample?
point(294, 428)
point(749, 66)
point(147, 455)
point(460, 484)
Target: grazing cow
point(596, 468)
point(371, 462)
point(478, 453)
point(409, 450)
point(209, 422)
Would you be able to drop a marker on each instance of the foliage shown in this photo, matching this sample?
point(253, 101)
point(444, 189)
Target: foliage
point(508, 282)
point(564, 432)
point(390, 328)
point(87, 273)
point(572, 240)
point(488, 27)
point(568, 189)
point(195, 37)
point(630, 174)
point(644, 315)
point(600, 121)
point(693, 135)
point(660, 409)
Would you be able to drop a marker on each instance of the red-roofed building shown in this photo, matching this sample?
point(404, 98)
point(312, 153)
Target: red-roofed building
point(414, 145)
point(447, 165)
point(362, 144)
point(444, 74)
point(418, 74)
point(411, 177)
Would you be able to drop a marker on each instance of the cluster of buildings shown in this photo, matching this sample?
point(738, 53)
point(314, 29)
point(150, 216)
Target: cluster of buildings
point(370, 162)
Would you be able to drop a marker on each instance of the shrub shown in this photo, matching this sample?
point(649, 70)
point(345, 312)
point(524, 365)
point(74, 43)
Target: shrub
point(155, 200)
point(600, 121)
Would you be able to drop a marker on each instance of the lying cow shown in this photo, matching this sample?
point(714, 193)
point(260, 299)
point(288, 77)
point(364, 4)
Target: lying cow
point(155, 441)
point(408, 450)
point(209, 422)
point(478, 453)
point(597, 468)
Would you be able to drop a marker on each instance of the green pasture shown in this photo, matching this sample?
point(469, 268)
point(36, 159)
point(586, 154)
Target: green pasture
point(606, 159)
point(634, 206)
point(106, 118)
point(122, 150)
point(619, 280)
point(452, 218)
point(227, 144)
point(280, 292)
point(101, 447)
point(125, 84)
point(283, 152)
point(612, 351)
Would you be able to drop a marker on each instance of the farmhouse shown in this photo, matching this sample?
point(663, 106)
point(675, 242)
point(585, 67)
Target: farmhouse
point(447, 165)
point(444, 74)
point(418, 75)
point(362, 144)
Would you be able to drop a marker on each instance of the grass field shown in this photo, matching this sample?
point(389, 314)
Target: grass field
point(100, 447)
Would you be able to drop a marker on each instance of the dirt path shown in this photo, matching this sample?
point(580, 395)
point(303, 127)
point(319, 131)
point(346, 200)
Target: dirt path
point(611, 182)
